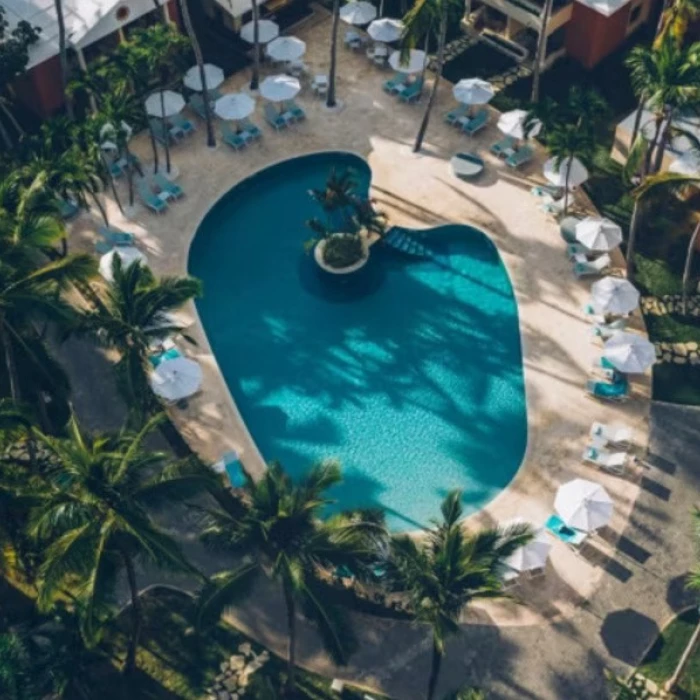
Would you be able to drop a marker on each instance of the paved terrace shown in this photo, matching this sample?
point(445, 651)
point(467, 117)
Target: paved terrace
point(553, 646)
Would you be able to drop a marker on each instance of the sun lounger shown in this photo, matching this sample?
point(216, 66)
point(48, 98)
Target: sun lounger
point(522, 156)
point(274, 118)
point(619, 391)
point(252, 129)
point(569, 535)
point(152, 201)
point(592, 268)
point(574, 249)
point(613, 462)
point(230, 464)
point(567, 228)
point(181, 122)
point(503, 147)
point(236, 141)
point(395, 84)
point(163, 135)
point(67, 208)
point(412, 92)
point(196, 104)
point(165, 185)
point(116, 169)
point(103, 247)
point(169, 354)
point(547, 191)
point(553, 206)
point(603, 331)
point(620, 435)
point(476, 123)
point(115, 236)
point(295, 110)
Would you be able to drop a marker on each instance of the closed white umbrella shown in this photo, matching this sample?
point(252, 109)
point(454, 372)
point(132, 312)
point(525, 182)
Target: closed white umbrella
point(278, 88)
point(629, 352)
point(531, 556)
point(598, 234)
point(687, 164)
point(583, 505)
point(386, 30)
point(213, 75)
point(414, 63)
point(286, 48)
point(514, 124)
point(614, 295)
point(358, 12)
point(473, 91)
point(556, 173)
point(176, 379)
point(170, 104)
point(127, 254)
point(234, 106)
point(267, 31)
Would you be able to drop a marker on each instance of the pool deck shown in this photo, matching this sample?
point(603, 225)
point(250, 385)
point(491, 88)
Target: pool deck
point(418, 190)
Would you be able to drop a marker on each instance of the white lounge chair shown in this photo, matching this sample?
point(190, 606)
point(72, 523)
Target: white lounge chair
point(613, 462)
point(592, 268)
point(620, 435)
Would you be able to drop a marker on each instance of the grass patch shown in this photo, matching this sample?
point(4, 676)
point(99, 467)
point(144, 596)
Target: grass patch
point(673, 328)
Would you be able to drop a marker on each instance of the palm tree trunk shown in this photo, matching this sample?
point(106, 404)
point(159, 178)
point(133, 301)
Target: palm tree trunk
point(187, 21)
point(136, 617)
point(100, 206)
point(166, 133)
point(435, 664)
point(662, 143)
point(63, 56)
point(539, 54)
point(112, 185)
point(11, 117)
point(631, 239)
point(637, 120)
point(10, 364)
point(292, 641)
point(6, 140)
point(660, 23)
point(255, 78)
point(688, 266)
point(154, 146)
point(566, 183)
point(330, 98)
point(442, 38)
point(659, 120)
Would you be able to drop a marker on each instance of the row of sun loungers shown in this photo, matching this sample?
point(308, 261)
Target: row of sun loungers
point(400, 87)
point(157, 191)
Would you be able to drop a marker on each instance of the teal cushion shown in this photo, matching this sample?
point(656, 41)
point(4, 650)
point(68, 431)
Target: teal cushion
point(592, 453)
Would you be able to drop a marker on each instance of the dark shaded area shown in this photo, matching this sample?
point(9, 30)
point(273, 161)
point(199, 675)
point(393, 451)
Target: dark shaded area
point(626, 633)
point(678, 596)
point(481, 59)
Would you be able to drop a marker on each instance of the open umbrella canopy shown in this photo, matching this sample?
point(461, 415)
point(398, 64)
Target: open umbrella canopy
point(176, 379)
point(286, 48)
point(267, 31)
point(531, 556)
point(358, 12)
point(473, 91)
point(583, 505)
point(598, 234)
point(556, 172)
point(687, 164)
point(515, 123)
point(629, 352)
point(386, 29)
point(128, 255)
point(168, 106)
point(234, 106)
point(614, 295)
point(414, 63)
point(213, 75)
point(278, 88)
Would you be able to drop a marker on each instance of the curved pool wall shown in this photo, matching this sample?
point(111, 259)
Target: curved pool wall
point(410, 373)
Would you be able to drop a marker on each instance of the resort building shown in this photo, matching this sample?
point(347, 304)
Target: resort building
point(586, 30)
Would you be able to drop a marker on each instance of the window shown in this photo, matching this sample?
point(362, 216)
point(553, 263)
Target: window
point(635, 14)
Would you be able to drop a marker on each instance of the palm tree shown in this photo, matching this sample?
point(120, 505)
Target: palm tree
point(337, 198)
point(92, 520)
point(197, 49)
point(689, 265)
point(674, 20)
point(255, 78)
point(278, 524)
point(63, 55)
point(449, 569)
point(540, 52)
point(133, 314)
point(566, 142)
point(330, 97)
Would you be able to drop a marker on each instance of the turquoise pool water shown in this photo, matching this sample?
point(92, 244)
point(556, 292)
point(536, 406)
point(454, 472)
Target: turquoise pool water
point(410, 373)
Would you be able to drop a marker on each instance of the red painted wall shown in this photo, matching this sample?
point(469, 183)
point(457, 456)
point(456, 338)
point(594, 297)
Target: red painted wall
point(40, 88)
point(590, 36)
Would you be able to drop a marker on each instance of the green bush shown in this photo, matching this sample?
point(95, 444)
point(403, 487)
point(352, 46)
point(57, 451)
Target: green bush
point(343, 250)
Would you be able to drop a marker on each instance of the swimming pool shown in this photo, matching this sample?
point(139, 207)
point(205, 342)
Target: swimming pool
point(410, 373)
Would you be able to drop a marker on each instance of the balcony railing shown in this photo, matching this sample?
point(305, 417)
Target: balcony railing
point(534, 7)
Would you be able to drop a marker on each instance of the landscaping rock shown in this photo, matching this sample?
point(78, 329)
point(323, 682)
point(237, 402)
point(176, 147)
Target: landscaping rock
point(231, 684)
point(651, 686)
point(680, 349)
point(237, 662)
point(694, 360)
point(223, 666)
point(692, 346)
point(680, 360)
point(246, 649)
point(223, 695)
point(666, 357)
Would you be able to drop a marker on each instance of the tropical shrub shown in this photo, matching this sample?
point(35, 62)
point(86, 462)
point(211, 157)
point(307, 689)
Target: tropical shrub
point(343, 250)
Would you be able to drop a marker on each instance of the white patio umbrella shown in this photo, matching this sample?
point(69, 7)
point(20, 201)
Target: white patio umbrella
point(267, 31)
point(172, 103)
point(687, 164)
point(630, 353)
point(583, 504)
point(614, 295)
point(358, 12)
point(531, 556)
point(286, 48)
point(128, 255)
point(513, 124)
point(213, 75)
point(413, 64)
point(234, 106)
point(278, 88)
point(386, 30)
point(473, 91)
point(557, 174)
point(598, 234)
point(176, 379)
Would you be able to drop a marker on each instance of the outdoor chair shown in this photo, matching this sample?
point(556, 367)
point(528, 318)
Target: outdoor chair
point(252, 129)
point(67, 208)
point(165, 185)
point(618, 435)
point(196, 104)
point(574, 249)
point(162, 134)
point(603, 331)
point(395, 84)
point(296, 112)
point(569, 535)
point(412, 92)
point(115, 237)
point(163, 355)
point(567, 228)
point(230, 137)
point(595, 267)
point(476, 123)
point(149, 198)
point(274, 118)
point(181, 122)
point(504, 147)
point(553, 206)
point(522, 156)
point(613, 462)
point(319, 85)
point(606, 391)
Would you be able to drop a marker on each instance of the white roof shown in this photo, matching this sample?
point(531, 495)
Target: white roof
point(235, 8)
point(680, 144)
point(86, 21)
point(604, 7)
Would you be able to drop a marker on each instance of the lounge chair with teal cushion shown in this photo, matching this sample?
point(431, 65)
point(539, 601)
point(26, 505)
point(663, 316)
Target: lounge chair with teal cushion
point(593, 267)
point(67, 208)
point(236, 141)
point(274, 118)
point(152, 201)
point(170, 354)
point(103, 247)
point(606, 391)
point(295, 110)
point(230, 464)
point(453, 115)
point(503, 147)
point(252, 129)
point(182, 122)
point(115, 236)
point(165, 185)
point(161, 134)
point(613, 462)
point(196, 104)
point(567, 228)
point(568, 535)
point(116, 168)
point(412, 92)
point(574, 249)
point(522, 156)
point(393, 85)
point(476, 123)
